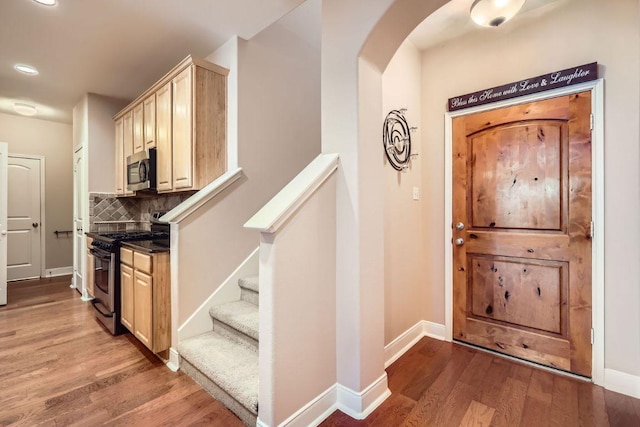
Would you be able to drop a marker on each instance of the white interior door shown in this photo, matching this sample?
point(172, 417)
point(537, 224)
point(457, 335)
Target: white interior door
point(23, 218)
point(79, 240)
point(4, 152)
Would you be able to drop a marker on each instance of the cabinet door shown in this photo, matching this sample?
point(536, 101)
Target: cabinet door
point(138, 126)
point(183, 130)
point(127, 139)
point(143, 304)
point(126, 297)
point(164, 155)
point(120, 172)
point(150, 121)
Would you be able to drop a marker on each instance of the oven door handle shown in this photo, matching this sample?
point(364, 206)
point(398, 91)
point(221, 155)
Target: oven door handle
point(97, 304)
point(100, 253)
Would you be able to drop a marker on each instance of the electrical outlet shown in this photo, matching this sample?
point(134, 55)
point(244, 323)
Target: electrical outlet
point(416, 193)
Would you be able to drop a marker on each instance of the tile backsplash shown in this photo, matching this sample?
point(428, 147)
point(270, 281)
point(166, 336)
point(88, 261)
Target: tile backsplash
point(110, 213)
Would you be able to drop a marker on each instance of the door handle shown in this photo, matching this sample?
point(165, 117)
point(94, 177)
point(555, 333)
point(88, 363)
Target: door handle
point(35, 225)
point(459, 241)
point(3, 232)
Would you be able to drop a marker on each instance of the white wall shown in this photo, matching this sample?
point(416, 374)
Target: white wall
point(296, 304)
point(101, 142)
point(54, 141)
point(405, 275)
point(278, 135)
point(576, 33)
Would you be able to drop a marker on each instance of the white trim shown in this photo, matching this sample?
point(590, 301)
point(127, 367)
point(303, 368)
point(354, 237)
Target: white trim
point(621, 382)
point(293, 195)
point(193, 203)
point(597, 179)
point(399, 346)
point(260, 423)
point(174, 360)
point(315, 411)
point(597, 268)
point(4, 186)
point(200, 321)
point(359, 405)
point(42, 206)
point(59, 271)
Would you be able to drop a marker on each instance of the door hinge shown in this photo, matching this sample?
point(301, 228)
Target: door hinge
point(591, 121)
point(592, 336)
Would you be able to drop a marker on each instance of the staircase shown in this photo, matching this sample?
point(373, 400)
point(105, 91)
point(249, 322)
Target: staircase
point(225, 361)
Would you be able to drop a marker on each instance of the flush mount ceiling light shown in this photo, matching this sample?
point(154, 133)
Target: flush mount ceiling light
point(492, 13)
point(25, 109)
point(26, 69)
point(47, 2)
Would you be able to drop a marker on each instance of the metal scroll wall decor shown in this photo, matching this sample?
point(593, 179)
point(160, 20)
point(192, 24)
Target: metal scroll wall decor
point(396, 137)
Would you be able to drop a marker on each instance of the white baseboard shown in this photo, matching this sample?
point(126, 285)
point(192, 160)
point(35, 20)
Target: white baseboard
point(396, 348)
point(200, 321)
point(60, 271)
point(174, 360)
point(621, 382)
point(314, 412)
point(359, 405)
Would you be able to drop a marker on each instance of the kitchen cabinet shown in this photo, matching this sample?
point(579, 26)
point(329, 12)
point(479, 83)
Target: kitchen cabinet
point(164, 178)
point(146, 297)
point(90, 272)
point(188, 106)
point(138, 128)
point(119, 157)
point(150, 121)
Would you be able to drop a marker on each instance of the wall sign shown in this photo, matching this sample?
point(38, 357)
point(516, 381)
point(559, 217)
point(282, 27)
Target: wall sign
point(563, 78)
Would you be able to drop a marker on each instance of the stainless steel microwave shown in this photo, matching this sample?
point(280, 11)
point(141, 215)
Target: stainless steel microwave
point(141, 170)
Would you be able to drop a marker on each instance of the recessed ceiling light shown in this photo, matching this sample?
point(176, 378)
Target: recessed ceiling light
point(47, 2)
point(25, 109)
point(26, 69)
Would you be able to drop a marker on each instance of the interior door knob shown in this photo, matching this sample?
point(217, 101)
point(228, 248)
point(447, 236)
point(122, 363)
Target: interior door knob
point(459, 226)
point(3, 232)
point(459, 241)
point(35, 225)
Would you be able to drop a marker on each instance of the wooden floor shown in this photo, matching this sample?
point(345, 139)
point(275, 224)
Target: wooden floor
point(59, 367)
point(443, 384)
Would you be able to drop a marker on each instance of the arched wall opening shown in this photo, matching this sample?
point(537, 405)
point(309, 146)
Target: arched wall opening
point(575, 33)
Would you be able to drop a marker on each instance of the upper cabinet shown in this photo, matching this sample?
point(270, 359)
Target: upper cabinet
point(184, 117)
point(150, 121)
point(138, 122)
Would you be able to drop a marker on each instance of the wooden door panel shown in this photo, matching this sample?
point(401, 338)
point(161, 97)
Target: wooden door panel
point(550, 351)
point(520, 244)
point(522, 262)
point(518, 292)
point(516, 176)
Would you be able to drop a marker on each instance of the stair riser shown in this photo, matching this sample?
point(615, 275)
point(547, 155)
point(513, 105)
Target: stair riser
point(247, 416)
point(234, 334)
point(249, 296)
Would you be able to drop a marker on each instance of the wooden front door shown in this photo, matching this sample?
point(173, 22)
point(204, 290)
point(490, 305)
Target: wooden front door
point(522, 231)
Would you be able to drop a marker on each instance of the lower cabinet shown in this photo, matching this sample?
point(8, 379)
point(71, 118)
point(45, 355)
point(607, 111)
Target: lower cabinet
point(146, 297)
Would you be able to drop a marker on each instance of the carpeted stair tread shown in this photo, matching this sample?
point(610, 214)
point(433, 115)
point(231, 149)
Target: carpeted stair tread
point(233, 367)
point(249, 282)
point(241, 315)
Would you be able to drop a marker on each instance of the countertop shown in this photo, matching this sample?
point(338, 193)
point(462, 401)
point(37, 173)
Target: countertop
point(148, 246)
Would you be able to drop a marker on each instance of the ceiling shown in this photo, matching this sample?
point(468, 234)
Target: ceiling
point(119, 48)
point(116, 48)
point(452, 20)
